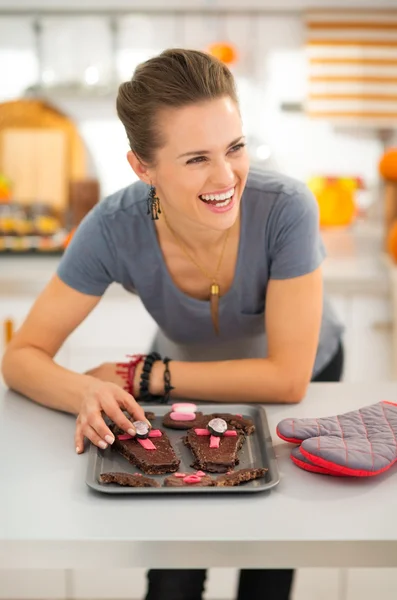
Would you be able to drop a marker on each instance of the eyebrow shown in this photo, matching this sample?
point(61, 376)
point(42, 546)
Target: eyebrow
point(199, 152)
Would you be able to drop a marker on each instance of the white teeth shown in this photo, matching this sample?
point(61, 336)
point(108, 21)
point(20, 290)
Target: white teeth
point(218, 197)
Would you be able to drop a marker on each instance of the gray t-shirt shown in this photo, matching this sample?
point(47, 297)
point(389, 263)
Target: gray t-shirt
point(279, 239)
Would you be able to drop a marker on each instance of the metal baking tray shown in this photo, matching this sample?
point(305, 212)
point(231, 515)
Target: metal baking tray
point(257, 451)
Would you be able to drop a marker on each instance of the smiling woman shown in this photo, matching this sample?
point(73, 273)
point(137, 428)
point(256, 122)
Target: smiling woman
point(226, 259)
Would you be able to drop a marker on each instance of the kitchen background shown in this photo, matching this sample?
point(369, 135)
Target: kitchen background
point(318, 90)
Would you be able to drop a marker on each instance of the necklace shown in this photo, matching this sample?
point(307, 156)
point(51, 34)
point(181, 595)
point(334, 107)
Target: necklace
point(214, 287)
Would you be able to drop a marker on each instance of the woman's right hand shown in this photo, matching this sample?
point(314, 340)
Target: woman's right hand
point(104, 397)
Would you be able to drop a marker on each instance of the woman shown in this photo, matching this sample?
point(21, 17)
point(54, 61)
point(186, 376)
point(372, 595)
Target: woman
point(225, 259)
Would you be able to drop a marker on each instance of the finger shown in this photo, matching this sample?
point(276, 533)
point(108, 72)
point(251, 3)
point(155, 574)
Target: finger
point(131, 405)
point(97, 423)
point(113, 410)
point(92, 435)
point(79, 439)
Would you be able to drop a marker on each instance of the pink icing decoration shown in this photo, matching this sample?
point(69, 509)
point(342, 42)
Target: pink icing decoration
point(180, 416)
point(230, 433)
point(181, 475)
point(192, 479)
point(147, 444)
point(241, 416)
point(200, 474)
point(184, 407)
point(214, 441)
point(155, 433)
point(202, 431)
point(124, 436)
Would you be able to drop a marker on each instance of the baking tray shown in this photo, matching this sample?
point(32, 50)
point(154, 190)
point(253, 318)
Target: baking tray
point(257, 451)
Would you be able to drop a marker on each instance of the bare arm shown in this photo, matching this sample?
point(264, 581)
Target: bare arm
point(293, 319)
point(28, 366)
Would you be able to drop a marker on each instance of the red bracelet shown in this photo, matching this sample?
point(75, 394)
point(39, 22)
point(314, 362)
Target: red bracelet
point(127, 371)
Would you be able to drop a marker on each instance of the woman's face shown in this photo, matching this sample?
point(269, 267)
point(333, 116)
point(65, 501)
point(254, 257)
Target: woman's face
point(202, 169)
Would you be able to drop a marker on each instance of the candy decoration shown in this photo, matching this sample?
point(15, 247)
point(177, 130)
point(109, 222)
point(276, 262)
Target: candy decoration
point(180, 416)
point(215, 441)
point(217, 427)
point(184, 407)
point(147, 444)
point(142, 429)
point(143, 432)
point(192, 479)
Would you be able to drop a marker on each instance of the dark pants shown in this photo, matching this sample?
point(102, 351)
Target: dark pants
point(254, 584)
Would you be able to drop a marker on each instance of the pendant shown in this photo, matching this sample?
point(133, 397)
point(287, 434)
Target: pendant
point(214, 301)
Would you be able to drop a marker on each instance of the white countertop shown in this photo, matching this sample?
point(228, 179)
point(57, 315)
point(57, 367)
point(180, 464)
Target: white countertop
point(49, 518)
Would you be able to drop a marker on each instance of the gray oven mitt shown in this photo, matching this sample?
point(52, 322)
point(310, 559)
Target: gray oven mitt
point(361, 443)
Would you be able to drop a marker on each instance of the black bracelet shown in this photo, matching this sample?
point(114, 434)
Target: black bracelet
point(144, 393)
point(167, 380)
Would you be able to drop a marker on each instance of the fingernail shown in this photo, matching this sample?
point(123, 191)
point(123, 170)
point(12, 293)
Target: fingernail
point(77, 450)
point(103, 445)
point(132, 432)
point(109, 439)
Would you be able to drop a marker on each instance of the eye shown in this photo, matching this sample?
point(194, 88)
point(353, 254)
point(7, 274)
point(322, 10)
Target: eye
point(237, 147)
point(196, 160)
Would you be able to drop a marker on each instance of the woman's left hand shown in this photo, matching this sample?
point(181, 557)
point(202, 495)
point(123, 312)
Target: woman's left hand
point(107, 372)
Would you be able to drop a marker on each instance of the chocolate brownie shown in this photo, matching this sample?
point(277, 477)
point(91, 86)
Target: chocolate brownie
point(150, 416)
point(128, 479)
point(214, 460)
point(171, 424)
point(153, 462)
point(174, 481)
point(241, 476)
point(236, 421)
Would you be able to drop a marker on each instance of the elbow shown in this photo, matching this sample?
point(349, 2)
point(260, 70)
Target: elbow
point(4, 367)
point(295, 390)
point(8, 365)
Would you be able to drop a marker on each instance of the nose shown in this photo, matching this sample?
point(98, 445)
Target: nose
point(222, 174)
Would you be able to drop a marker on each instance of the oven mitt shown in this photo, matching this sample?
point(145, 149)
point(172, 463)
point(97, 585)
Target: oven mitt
point(360, 443)
point(304, 463)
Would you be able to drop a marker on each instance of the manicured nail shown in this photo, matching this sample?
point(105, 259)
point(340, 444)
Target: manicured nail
point(103, 445)
point(109, 439)
point(132, 432)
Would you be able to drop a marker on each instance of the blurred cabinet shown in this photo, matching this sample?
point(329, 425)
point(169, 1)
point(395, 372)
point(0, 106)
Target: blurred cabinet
point(116, 327)
point(368, 336)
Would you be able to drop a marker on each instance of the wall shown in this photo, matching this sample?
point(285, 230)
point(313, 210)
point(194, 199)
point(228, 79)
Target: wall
point(271, 70)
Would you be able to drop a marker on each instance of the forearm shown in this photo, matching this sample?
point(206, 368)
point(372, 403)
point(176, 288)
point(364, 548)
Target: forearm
point(33, 373)
point(246, 380)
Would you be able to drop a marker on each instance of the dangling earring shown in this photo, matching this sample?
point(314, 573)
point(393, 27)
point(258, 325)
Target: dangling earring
point(153, 204)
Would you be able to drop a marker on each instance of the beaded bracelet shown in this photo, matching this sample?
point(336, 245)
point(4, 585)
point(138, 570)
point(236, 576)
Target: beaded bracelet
point(144, 394)
point(167, 380)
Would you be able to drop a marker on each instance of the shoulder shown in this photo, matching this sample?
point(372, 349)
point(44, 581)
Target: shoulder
point(275, 187)
point(124, 203)
point(279, 196)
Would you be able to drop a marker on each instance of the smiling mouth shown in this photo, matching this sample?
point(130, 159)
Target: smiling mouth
point(218, 199)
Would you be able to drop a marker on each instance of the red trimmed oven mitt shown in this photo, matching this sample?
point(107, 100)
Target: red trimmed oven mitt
point(360, 443)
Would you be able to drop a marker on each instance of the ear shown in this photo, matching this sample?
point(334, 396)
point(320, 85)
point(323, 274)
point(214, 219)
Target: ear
point(140, 170)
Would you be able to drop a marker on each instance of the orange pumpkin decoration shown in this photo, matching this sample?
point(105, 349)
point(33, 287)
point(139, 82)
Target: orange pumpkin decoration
point(335, 198)
point(224, 52)
point(391, 241)
point(388, 164)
